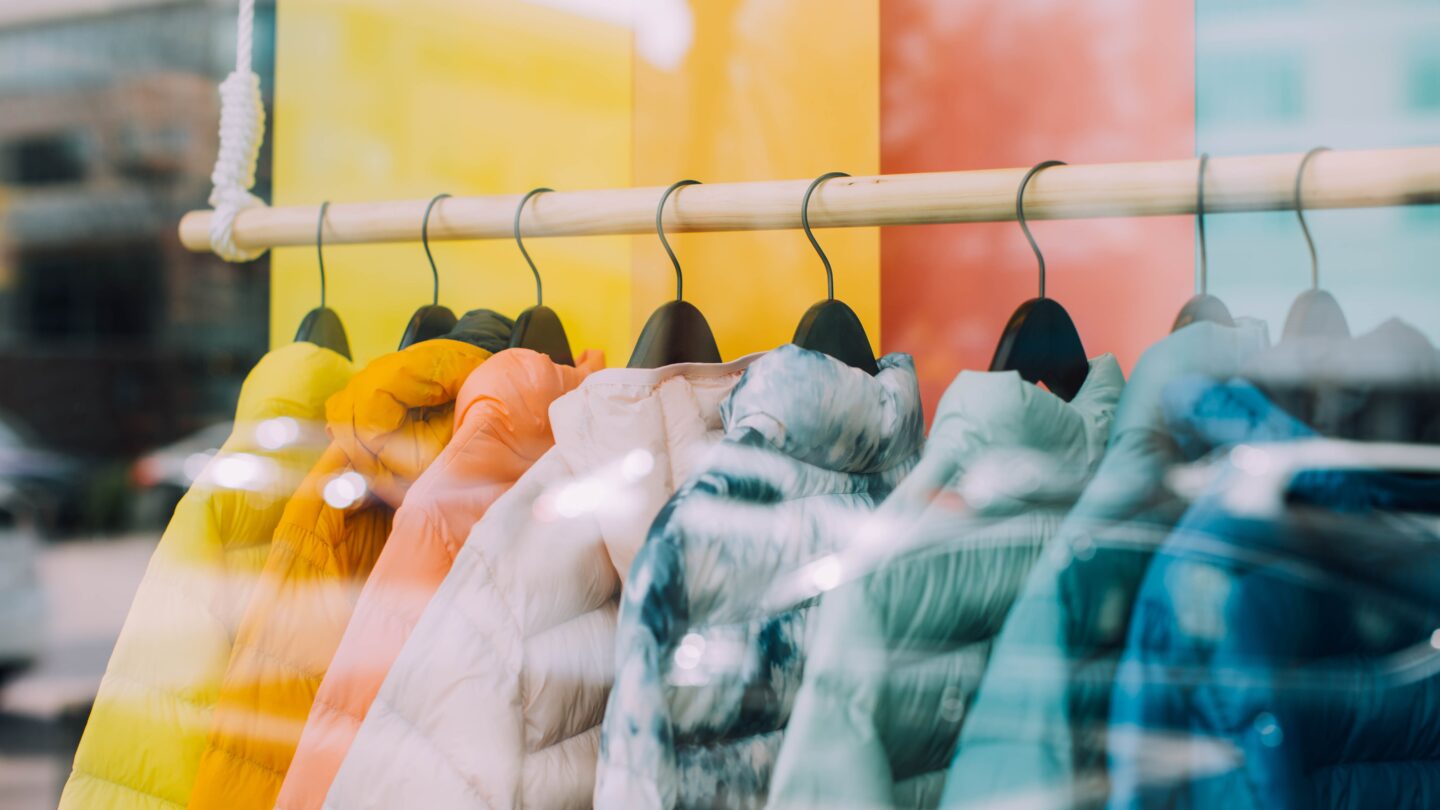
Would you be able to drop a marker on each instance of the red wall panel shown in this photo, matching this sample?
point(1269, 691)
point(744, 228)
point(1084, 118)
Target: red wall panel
point(995, 83)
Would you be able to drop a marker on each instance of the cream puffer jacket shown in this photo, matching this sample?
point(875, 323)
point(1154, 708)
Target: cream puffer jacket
point(496, 699)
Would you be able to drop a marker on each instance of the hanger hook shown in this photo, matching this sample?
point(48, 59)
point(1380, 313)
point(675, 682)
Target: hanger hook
point(425, 241)
point(1202, 272)
point(660, 229)
point(805, 223)
point(1300, 214)
point(539, 289)
point(320, 247)
point(1020, 215)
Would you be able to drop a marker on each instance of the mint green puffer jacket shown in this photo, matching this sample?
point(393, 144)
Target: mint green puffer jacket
point(897, 654)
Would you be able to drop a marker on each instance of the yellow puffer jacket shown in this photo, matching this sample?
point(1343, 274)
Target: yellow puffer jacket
point(142, 745)
point(388, 424)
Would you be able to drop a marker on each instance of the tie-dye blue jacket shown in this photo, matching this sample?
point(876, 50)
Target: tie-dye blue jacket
point(707, 664)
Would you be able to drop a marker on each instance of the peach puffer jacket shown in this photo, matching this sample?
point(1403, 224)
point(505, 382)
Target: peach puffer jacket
point(387, 425)
point(502, 426)
point(496, 699)
point(142, 744)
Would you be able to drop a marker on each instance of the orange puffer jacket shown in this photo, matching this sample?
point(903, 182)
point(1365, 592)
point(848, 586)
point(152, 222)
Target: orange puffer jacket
point(386, 427)
point(502, 425)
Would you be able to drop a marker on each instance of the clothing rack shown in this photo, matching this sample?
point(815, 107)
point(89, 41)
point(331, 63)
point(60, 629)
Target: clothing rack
point(1334, 179)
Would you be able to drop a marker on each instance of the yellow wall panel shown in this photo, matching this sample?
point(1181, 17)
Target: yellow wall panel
point(766, 90)
point(377, 100)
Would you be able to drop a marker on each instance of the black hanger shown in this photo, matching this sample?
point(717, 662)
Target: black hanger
point(1040, 340)
point(1315, 313)
point(430, 321)
point(321, 325)
point(1203, 306)
point(676, 332)
point(831, 326)
point(538, 328)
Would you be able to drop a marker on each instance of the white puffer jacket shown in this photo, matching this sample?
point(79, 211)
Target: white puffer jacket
point(496, 699)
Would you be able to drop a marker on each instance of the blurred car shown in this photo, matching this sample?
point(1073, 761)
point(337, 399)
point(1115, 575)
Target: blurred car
point(22, 603)
point(165, 474)
point(53, 484)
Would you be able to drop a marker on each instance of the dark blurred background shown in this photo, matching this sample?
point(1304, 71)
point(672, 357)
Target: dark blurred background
point(121, 354)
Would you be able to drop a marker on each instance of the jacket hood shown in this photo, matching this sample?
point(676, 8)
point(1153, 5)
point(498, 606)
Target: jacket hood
point(814, 408)
point(631, 436)
point(397, 414)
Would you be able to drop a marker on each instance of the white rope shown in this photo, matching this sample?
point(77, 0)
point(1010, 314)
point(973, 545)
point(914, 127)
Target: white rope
point(242, 129)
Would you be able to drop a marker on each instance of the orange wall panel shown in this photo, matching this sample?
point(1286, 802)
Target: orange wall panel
point(996, 83)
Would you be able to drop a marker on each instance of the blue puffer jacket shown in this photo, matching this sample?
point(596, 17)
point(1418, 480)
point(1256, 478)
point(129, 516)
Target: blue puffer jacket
point(1283, 662)
point(706, 666)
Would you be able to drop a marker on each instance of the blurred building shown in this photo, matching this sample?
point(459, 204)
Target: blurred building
point(114, 338)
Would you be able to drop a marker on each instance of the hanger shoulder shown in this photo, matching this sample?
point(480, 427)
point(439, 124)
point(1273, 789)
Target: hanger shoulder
point(676, 333)
point(428, 323)
point(1315, 313)
point(1041, 343)
point(322, 327)
point(1203, 308)
point(539, 329)
point(832, 327)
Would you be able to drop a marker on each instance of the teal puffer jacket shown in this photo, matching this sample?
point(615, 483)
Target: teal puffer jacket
point(898, 654)
point(707, 664)
point(1036, 732)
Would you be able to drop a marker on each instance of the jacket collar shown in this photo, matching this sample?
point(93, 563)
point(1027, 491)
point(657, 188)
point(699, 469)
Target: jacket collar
point(983, 412)
point(293, 380)
point(1393, 353)
point(1002, 408)
point(814, 408)
point(1207, 414)
point(512, 376)
point(396, 415)
point(1202, 347)
point(628, 438)
point(617, 410)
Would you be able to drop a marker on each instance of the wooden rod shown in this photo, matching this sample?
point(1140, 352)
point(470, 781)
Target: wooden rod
point(1339, 179)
